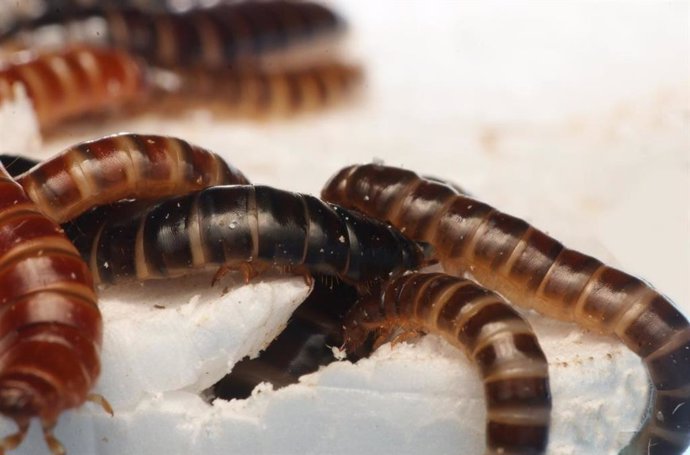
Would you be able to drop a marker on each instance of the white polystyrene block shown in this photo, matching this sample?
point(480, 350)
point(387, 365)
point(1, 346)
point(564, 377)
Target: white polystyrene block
point(407, 398)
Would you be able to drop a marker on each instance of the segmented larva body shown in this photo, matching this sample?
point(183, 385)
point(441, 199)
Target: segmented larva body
point(491, 333)
point(74, 82)
point(50, 326)
point(250, 228)
point(122, 166)
point(220, 36)
point(531, 269)
point(266, 93)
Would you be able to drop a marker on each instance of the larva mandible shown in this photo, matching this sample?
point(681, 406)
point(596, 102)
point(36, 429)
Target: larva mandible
point(50, 325)
point(120, 166)
point(247, 227)
point(220, 36)
point(533, 270)
point(73, 82)
point(491, 333)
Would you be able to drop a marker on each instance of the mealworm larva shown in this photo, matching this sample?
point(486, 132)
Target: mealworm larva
point(477, 321)
point(50, 326)
point(305, 344)
point(250, 228)
point(219, 36)
point(74, 82)
point(266, 93)
point(531, 269)
point(120, 166)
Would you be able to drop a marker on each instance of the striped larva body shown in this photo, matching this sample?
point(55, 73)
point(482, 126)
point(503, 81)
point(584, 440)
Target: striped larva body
point(51, 328)
point(122, 166)
point(73, 82)
point(220, 36)
point(531, 269)
point(246, 227)
point(265, 93)
point(492, 334)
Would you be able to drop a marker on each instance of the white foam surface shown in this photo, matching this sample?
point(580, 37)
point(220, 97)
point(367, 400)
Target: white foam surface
point(572, 115)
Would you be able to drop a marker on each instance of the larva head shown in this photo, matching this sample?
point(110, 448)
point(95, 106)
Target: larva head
point(363, 324)
point(335, 190)
point(18, 400)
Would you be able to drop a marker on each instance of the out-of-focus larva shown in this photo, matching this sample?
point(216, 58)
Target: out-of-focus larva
point(531, 269)
point(491, 333)
point(306, 343)
point(74, 82)
point(266, 93)
point(250, 228)
point(220, 36)
point(121, 166)
point(50, 326)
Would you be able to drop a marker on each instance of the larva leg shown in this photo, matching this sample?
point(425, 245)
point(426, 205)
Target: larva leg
point(56, 448)
point(101, 401)
point(14, 440)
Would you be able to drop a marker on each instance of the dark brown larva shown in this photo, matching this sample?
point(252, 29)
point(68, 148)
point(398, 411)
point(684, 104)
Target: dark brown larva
point(221, 36)
point(73, 82)
point(267, 93)
point(302, 347)
point(245, 227)
point(122, 166)
point(50, 326)
point(491, 333)
point(531, 269)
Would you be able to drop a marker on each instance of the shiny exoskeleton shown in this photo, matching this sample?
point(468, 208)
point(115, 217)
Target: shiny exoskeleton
point(106, 170)
point(50, 326)
point(531, 269)
point(73, 82)
point(220, 36)
point(245, 227)
point(492, 334)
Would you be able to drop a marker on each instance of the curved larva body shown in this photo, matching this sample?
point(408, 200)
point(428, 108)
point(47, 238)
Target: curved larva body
point(266, 93)
point(492, 334)
point(50, 326)
point(122, 166)
point(75, 81)
point(223, 35)
point(531, 269)
point(243, 225)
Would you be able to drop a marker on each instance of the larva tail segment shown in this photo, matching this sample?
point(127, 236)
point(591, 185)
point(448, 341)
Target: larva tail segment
point(108, 169)
point(533, 270)
point(495, 337)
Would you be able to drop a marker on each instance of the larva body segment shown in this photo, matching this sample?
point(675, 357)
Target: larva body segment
point(492, 334)
point(243, 225)
point(50, 325)
point(220, 36)
point(122, 166)
point(73, 82)
point(531, 269)
point(268, 93)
